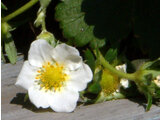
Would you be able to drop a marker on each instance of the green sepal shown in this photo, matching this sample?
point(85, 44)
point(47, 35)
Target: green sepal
point(44, 3)
point(90, 60)
point(49, 37)
point(9, 45)
point(3, 6)
point(151, 65)
point(26, 97)
point(149, 101)
point(114, 96)
point(111, 54)
point(95, 87)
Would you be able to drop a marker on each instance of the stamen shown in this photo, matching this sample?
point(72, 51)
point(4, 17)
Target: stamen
point(51, 76)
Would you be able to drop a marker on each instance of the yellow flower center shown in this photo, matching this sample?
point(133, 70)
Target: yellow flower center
point(51, 76)
point(109, 82)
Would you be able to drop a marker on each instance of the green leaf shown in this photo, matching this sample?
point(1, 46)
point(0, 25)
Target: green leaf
point(86, 21)
point(111, 55)
point(97, 43)
point(3, 6)
point(72, 20)
point(9, 45)
point(149, 102)
point(11, 50)
point(90, 60)
point(94, 88)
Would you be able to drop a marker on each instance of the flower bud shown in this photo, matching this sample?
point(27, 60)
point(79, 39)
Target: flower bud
point(40, 18)
point(49, 37)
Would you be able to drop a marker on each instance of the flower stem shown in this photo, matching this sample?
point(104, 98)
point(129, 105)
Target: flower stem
point(130, 76)
point(20, 10)
point(43, 21)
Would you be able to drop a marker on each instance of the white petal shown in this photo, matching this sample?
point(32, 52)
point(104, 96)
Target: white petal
point(122, 68)
point(124, 83)
point(39, 52)
point(67, 55)
point(27, 76)
point(39, 97)
point(79, 78)
point(64, 101)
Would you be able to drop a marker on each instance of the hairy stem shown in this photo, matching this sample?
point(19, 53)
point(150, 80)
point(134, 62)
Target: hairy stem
point(20, 10)
point(102, 60)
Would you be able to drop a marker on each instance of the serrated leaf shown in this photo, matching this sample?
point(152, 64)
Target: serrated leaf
point(90, 59)
point(72, 21)
point(84, 21)
point(111, 54)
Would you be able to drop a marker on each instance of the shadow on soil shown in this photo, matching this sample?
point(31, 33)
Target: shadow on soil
point(19, 100)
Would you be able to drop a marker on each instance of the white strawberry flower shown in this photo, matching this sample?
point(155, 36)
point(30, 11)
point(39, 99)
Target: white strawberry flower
point(123, 82)
point(54, 76)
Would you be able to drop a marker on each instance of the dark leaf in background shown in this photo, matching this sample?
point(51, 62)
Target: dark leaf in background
point(84, 21)
point(72, 22)
point(111, 19)
point(147, 26)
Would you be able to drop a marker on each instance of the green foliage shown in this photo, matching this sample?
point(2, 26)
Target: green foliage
point(84, 21)
point(44, 3)
point(3, 6)
point(72, 21)
point(111, 55)
point(103, 97)
point(149, 103)
point(9, 45)
point(146, 75)
point(95, 87)
point(90, 60)
point(112, 26)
